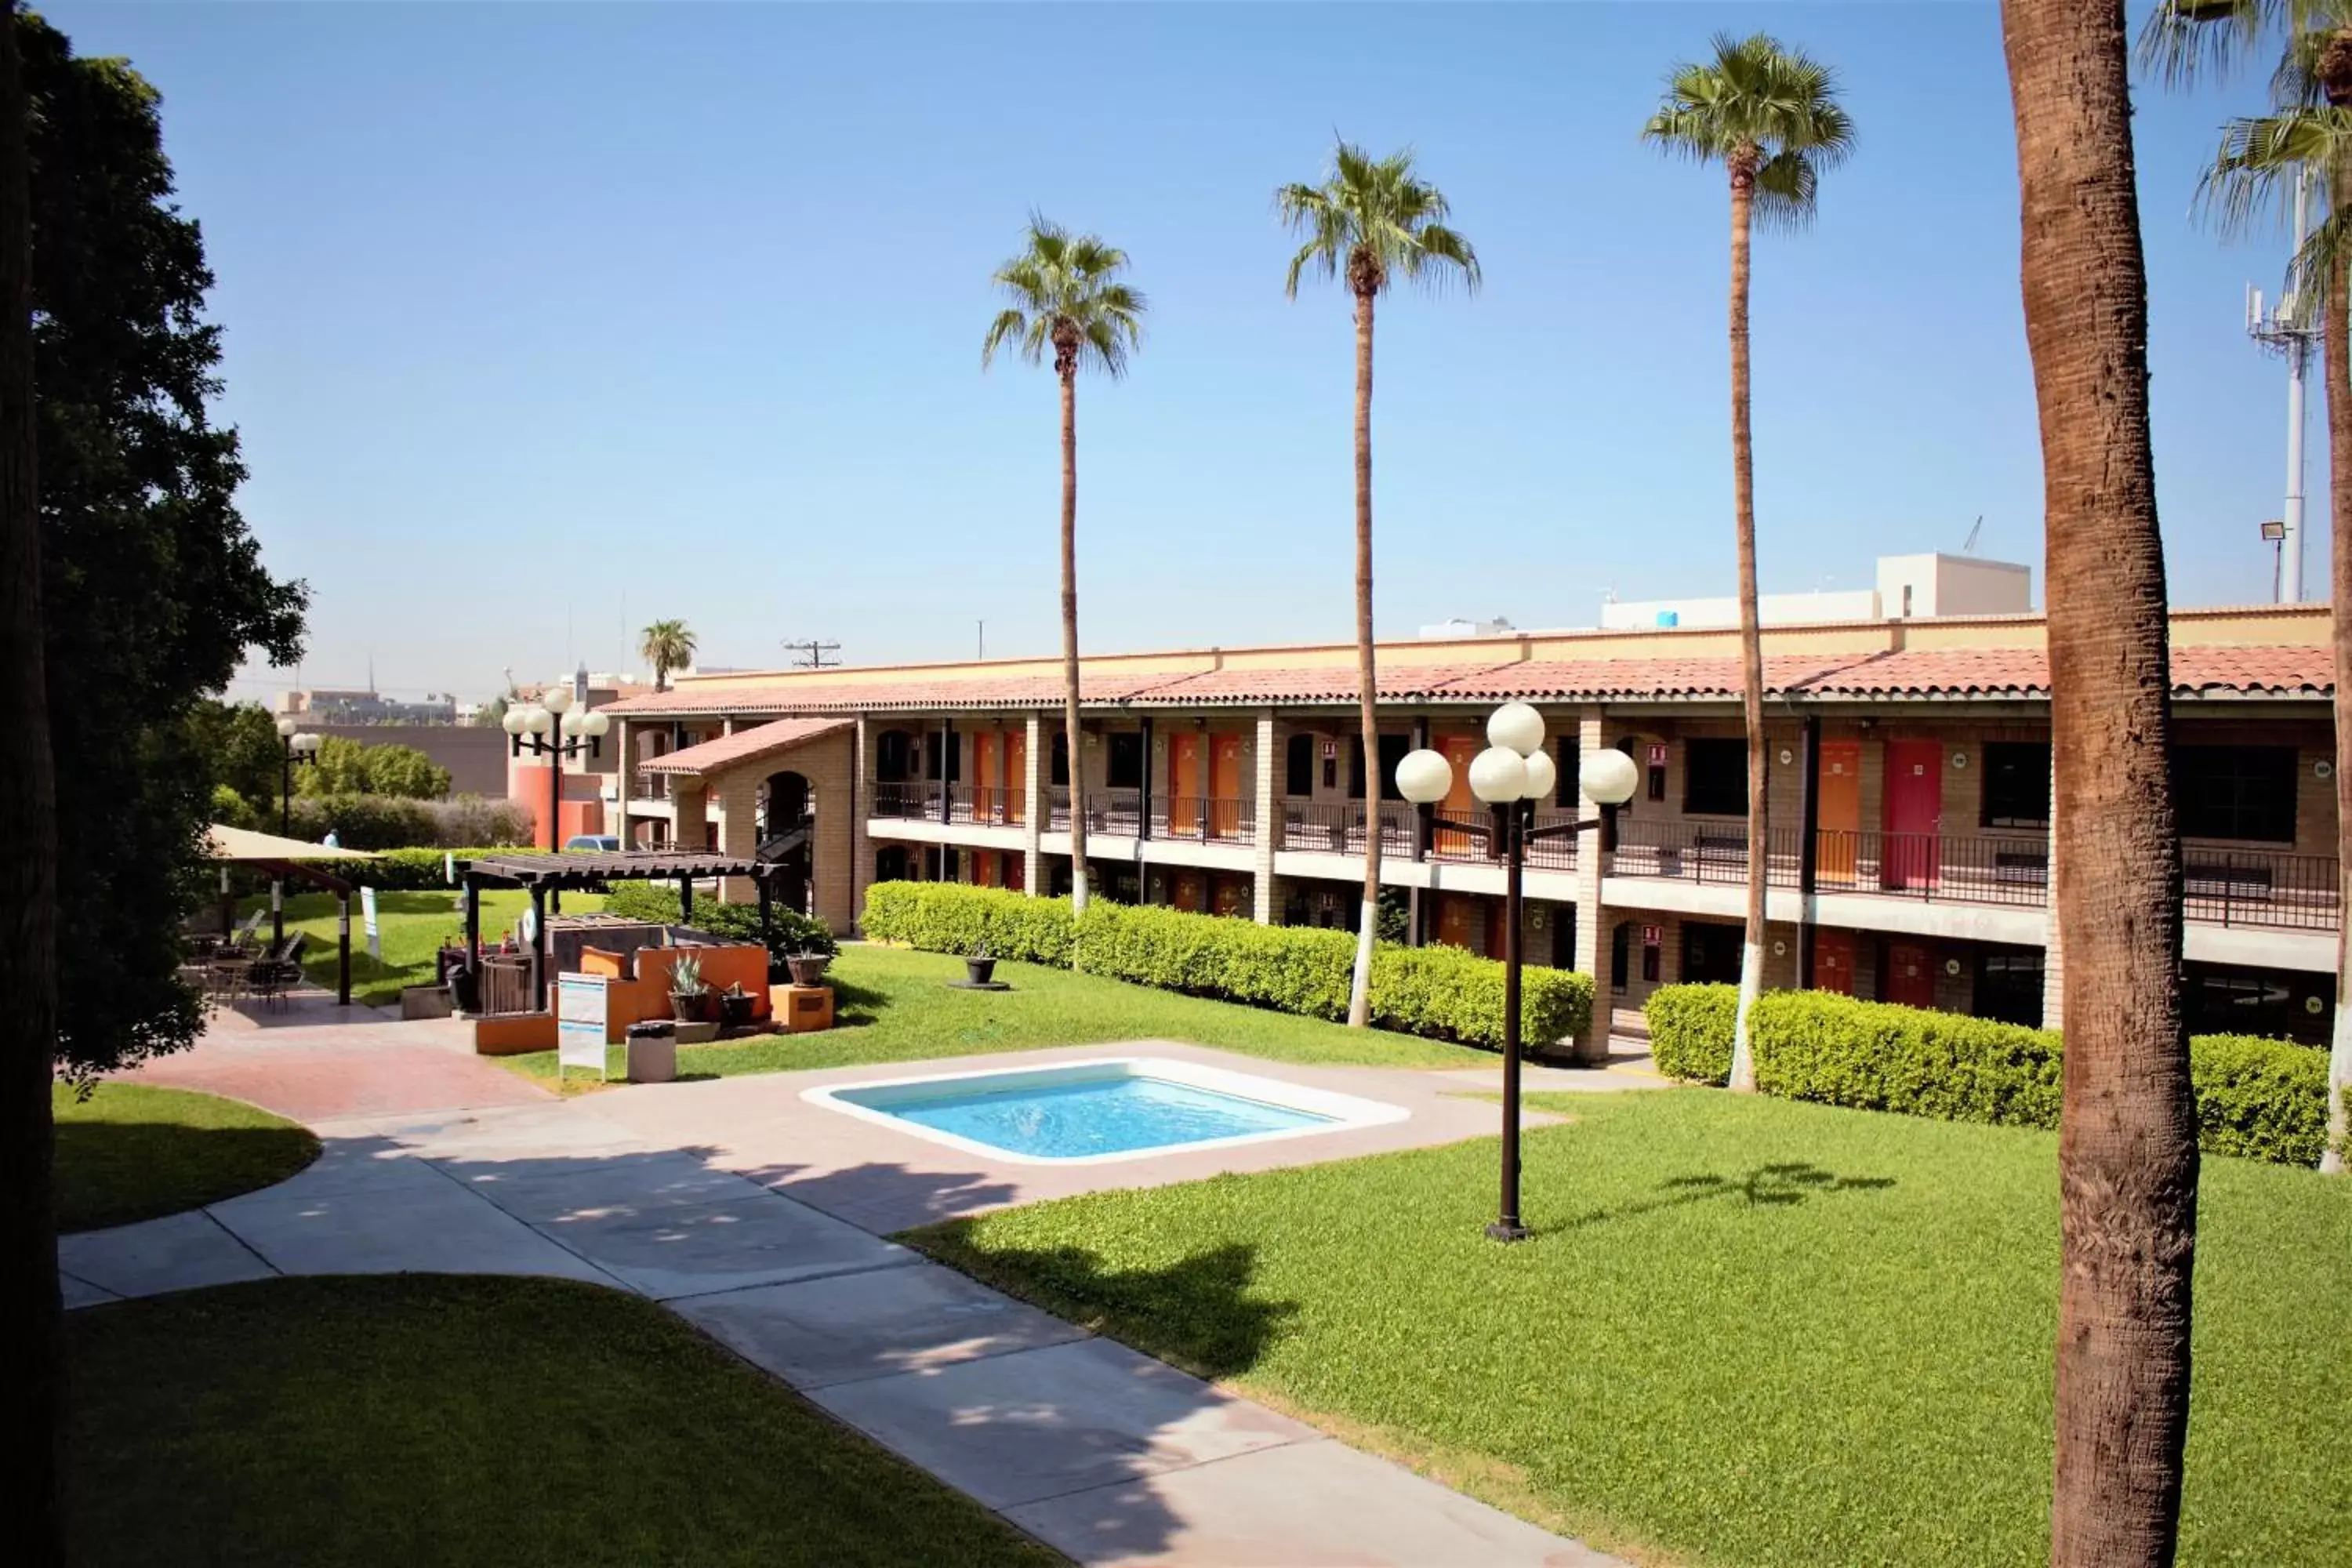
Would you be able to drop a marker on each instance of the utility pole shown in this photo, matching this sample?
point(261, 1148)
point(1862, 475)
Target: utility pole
point(981, 653)
point(2290, 331)
point(808, 653)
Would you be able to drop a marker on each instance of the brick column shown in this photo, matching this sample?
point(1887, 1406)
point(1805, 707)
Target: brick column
point(1268, 818)
point(1036, 776)
point(625, 770)
point(860, 806)
point(692, 813)
point(738, 794)
point(2053, 966)
point(1592, 919)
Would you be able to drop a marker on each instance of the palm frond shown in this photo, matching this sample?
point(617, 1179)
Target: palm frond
point(1757, 97)
point(1785, 185)
point(1377, 211)
point(1060, 280)
point(2183, 40)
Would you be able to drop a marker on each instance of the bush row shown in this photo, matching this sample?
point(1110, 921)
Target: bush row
point(2263, 1099)
point(384, 821)
point(1445, 993)
point(790, 932)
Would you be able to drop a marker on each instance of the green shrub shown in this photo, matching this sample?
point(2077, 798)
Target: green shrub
point(1443, 993)
point(391, 822)
point(1690, 1030)
point(2264, 1100)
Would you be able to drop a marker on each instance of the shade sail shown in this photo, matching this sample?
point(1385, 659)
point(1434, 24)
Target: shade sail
point(225, 843)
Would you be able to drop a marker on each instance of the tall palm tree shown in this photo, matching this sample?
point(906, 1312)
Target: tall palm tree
point(29, 872)
point(2128, 1134)
point(1066, 299)
point(1370, 220)
point(2308, 133)
point(1770, 115)
point(666, 646)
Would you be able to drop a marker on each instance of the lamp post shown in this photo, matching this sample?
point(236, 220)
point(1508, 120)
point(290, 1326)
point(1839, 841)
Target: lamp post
point(555, 727)
point(299, 749)
point(1511, 775)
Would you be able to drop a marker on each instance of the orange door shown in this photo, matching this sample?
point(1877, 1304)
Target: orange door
point(1834, 961)
point(1016, 776)
point(1184, 783)
point(1459, 802)
point(1498, 929)
point(1232, 896)
point(1457, 917)
point(1225, 785)
point(983, 868)
point(1016, 872)
point(984, 794)
point(1189, 892)
point(1837, 807)
point(1910, 977)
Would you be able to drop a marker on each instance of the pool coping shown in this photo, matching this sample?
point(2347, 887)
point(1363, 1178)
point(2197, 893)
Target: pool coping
point(1343, 1112)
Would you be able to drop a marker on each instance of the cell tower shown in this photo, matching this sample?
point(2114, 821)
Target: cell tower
point(2290, 329)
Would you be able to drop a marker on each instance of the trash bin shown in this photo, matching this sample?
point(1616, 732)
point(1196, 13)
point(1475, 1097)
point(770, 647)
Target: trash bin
point(653, 1052)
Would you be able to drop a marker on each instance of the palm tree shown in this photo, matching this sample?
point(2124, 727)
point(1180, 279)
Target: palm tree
point(28, 870)
point(2308, 134)
point(666, 646)
point(2127, 1135)
point(1770, 115)
point(1371, 219)
point(1066, 299)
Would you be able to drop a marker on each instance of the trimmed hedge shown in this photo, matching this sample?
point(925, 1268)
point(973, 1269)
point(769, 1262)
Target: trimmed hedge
point(2264, 1100)
point(1443, 993)
point(790, 932)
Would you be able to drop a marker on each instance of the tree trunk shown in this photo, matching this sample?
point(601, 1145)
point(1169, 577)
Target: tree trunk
point(2127, 1142)
point(1751, 636)
point(1069, 378)
point(2336, 364)
point(28, 881)
point(1359, 987)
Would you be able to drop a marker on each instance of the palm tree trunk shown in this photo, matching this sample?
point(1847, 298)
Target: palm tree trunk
point(1751, 637)
point(1359, 985)
point(1070, 640)
point(28, 878)
point(2127, 1143)
point(2335, 362)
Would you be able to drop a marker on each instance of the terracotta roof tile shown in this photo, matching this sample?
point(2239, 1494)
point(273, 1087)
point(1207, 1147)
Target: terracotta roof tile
point(744, 745)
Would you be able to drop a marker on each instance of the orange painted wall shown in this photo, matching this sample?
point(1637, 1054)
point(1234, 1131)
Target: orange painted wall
point(633, 1000)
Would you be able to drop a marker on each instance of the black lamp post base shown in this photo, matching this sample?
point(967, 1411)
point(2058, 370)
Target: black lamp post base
point(1498, 1231)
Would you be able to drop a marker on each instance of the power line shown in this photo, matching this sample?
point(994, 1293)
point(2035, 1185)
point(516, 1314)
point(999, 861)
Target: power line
point(809, 654)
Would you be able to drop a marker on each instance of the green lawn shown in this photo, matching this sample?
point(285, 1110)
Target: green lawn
point(1748, 1331)
point(413, 927)
point(425, 1419)
point(133, 1151)
point(893, 1006)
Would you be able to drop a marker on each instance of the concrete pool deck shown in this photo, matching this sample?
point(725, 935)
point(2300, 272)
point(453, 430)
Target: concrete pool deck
point(763, 1219)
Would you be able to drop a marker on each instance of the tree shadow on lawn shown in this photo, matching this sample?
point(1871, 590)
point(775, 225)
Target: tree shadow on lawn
point(115, 1172)
point(1196, 1313)
point(1780, 1185)
point(855, 1006)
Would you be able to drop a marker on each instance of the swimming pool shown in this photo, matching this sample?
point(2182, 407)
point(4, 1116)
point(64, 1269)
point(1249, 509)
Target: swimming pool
point(1093, 1112)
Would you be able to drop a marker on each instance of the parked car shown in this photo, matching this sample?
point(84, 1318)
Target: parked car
point(592, 842)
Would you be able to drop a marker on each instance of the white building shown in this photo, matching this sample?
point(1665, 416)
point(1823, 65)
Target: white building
point(1910, 587)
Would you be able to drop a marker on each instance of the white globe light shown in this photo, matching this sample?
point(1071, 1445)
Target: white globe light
point(557, 696)
point(308, 744)
point(1543, 776)
point(538, 720)
point(511, 721)
point(1517, 727)
point(571, 722)
point(1608, 777)
point(1498, 775)
point(594, 725)
point(288, 725)
point(1425, 777)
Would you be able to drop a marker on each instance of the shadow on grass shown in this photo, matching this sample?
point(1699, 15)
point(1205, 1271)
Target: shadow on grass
point(855, 1006)
point(1197, 1313)
point(1781, 1184)
point(113, 1172)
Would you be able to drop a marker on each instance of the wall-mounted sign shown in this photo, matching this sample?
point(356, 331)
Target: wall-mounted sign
point(1652, 936)
point(1330, 750)
point(1657, 755)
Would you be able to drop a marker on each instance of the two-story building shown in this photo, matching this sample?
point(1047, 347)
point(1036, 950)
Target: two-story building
point(1910, 851)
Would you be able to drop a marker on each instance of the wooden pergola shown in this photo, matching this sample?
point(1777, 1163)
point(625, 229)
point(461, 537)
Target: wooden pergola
point(548, 876)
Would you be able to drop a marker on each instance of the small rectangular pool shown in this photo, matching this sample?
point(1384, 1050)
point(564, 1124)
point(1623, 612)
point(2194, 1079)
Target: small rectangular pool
point(1098, 1111)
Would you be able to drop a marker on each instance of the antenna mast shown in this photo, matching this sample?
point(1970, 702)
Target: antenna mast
point(2290, 331)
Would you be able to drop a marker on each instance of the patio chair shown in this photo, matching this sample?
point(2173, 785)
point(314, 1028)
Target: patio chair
point(272, 976)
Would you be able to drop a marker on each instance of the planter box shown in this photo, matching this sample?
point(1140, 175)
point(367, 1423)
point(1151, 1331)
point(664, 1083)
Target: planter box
point(695, 1034)
point(425, 1002)
point(801, 1009)
point(653, 1058)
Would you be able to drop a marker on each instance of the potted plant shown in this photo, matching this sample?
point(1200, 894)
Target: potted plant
point(735, 1008)
point(981, 967)
point(689, 994)
point(808, 966)
point(653, 1051)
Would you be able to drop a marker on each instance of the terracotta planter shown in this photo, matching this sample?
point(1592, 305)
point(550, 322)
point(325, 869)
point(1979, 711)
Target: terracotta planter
point(809, 970)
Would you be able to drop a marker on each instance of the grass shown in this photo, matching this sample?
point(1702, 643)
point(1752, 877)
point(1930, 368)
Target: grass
point(419, 1419)
point(411, 928)
point(894, 1005)
point(131, 1151)
point(1747, 1330)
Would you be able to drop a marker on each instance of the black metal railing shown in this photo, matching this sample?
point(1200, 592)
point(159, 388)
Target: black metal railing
point(646, 785)
point(1337, 827)
point(1693, 852)
point(904, 800)
point(1210, 819)
point(2257, 888)
point(1111, 811)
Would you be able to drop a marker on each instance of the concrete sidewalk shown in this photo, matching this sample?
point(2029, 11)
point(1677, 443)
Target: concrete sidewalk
point(1107, 1455)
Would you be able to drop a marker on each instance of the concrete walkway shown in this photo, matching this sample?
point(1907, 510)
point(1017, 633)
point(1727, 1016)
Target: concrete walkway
point(1106, 1454)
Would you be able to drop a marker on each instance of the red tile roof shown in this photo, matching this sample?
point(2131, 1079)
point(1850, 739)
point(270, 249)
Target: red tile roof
point(745, 745)
point(1997, 673)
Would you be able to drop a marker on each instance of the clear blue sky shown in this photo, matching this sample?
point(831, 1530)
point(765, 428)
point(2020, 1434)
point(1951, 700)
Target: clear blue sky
point(543, 316)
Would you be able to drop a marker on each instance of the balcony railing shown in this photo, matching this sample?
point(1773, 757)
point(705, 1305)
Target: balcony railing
point(1208, 819)
point(2256, 887)
point(916, 800)
point(646, 785)
point(1337, 827)
point(1115, 811)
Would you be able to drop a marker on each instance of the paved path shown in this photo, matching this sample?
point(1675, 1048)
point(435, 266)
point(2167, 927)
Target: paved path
point(1107, 1455)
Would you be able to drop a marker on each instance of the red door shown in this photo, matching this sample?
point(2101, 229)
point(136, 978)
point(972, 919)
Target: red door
point(1910, 977)
point(1498, 929)
point(1457, 917)
point(1834, 961)
point(1190, 894)
point(1914, 813)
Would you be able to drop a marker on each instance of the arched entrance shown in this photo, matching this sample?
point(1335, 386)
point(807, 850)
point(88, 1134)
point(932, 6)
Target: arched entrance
point(787, 835)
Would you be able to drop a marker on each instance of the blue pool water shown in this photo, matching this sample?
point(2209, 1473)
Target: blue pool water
point(1049, 1120)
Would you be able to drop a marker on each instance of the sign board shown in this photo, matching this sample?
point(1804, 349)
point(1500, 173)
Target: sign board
point(1331, 750)
point(367, 917)
point(1652, 936)
point(1657, 755)
point(581, 1007)
point(449, 867)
